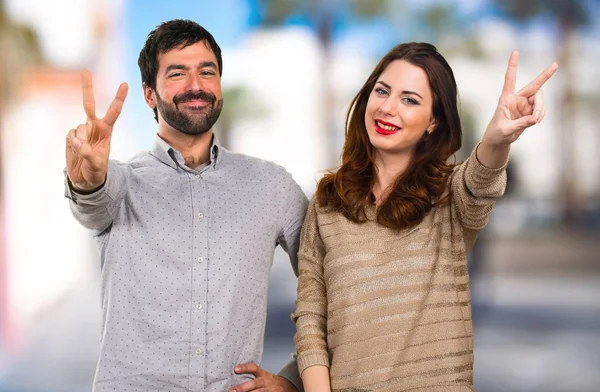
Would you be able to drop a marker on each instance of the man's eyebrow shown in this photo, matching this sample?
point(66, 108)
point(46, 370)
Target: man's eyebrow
point(203, 64)
point(173, 67)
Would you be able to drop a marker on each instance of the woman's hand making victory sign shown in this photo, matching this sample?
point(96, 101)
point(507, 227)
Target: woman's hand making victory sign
point(516, 111)
point(88, 146)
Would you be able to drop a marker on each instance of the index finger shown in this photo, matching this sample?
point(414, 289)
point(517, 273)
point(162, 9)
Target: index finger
point(510, 78)
point(114, 110)
point(89, 102)
point(537, 83)
point(248, 386)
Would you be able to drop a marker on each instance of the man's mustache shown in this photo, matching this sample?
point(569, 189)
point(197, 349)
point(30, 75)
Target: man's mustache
point(194, 95)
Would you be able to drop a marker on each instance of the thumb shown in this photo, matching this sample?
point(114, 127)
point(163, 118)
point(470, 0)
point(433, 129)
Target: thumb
point(248, 368)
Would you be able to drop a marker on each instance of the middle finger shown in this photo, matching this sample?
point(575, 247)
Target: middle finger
point(538, 105)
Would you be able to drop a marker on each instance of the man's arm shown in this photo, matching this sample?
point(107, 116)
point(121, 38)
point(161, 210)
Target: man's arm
point(296, 204)
point(96, 210)
point(293, 212)
point(93, 189)
point(295, 207)
point(291, 374)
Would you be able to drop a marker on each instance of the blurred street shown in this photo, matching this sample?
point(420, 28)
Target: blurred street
point(536, 307)
point(291, 70)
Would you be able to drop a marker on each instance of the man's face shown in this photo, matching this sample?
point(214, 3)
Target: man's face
point(188, 89)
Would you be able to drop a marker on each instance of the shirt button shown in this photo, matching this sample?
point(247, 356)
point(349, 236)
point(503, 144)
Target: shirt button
point(200, 215)
point(198, 351)
point(200, 259)
point(199, 306)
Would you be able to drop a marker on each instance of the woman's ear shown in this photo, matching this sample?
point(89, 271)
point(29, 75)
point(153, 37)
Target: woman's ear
point(433, 126)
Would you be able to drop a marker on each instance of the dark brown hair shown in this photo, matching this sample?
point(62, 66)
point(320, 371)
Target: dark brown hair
point(169, 35)
point(421, 186)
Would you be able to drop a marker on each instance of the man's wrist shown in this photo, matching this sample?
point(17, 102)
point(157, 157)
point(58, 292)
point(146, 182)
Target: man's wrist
point(84, 190)
point(287, 384)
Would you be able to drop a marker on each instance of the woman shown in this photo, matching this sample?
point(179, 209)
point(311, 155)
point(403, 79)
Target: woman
point(383, 293)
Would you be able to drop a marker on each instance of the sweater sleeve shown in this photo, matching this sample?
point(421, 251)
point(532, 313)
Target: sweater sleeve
point(475, 189)
point(311, 304)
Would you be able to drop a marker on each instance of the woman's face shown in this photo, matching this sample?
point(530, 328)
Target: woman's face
point(399, 110)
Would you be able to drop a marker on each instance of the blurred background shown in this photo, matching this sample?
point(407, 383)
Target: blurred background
point(290, 70)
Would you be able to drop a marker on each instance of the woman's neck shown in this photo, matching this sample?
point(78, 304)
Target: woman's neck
point(389, 166)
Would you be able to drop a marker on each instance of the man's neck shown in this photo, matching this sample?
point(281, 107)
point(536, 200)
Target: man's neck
point(195, 149)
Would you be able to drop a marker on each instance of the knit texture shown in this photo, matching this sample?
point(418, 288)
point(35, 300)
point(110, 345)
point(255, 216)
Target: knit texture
point(390, 310)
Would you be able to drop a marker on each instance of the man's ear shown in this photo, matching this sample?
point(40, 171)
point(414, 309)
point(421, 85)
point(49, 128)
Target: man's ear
point(149, 96)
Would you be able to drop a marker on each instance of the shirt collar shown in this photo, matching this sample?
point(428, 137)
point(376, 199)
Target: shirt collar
point(173, 158)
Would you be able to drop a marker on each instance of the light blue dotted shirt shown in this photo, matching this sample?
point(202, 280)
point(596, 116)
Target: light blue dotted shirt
point(185, 260)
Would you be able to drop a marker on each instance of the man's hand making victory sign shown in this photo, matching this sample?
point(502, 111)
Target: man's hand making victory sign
point(88, 146)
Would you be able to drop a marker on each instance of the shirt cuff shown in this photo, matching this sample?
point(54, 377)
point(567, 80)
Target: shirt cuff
point(290, 373)
point(113, 177)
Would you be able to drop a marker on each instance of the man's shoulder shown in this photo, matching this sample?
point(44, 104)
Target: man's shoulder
point(254, 166)
point(141, 158)
point(140, 162)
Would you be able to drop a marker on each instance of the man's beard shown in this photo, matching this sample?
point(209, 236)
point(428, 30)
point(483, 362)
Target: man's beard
point(200, 121)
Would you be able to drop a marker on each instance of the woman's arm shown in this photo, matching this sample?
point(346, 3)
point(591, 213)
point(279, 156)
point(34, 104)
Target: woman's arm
point(479, 181)
point(316, 379)
point(311, 307)
point(516, 111)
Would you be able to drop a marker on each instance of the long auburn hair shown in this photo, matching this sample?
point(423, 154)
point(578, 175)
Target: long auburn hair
point(421, 187)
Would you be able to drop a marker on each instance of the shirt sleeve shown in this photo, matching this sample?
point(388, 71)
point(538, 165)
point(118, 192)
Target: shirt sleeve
point(294, 210)
point(475, 189)
point(311, 304)
point(97, 210)
point(290, 373)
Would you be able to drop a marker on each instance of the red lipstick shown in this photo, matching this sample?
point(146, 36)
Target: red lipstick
point(385, 132)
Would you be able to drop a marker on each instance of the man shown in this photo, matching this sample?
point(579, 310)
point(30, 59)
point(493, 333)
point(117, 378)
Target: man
point(186, 231)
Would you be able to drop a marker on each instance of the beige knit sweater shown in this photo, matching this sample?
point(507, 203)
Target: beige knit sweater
point(389, 310)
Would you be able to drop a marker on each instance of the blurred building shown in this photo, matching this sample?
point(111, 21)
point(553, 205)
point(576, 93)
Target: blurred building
point(284, 87)
point(537, 158)
point(20, 49)
point(275, 77)
point(46, 253)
